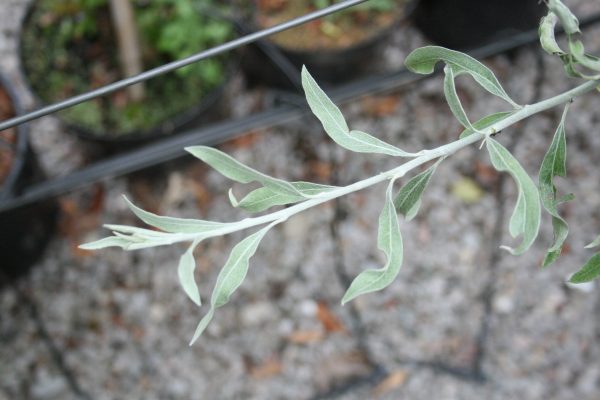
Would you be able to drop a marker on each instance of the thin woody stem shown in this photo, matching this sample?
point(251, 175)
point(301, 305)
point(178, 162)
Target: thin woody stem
point(427, 155)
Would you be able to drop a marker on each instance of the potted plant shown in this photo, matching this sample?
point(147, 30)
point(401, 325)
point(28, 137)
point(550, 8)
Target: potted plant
point(464, 24)
point(335, 48)
point(70, 46)
point(25, 231)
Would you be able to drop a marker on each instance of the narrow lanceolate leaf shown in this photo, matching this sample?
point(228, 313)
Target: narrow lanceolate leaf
point(389, 241)
point(453, 100)
point(174, 225)
point(486, 122)
point(526, 216)
point(424, 59)
point(185, 272)
point(566, 17)
point(111, 241)
point(134, 238)
point(546, 34)
point(232, 275)
point(589, 272)
point(595, 243)
point(263, 198)
point(336, 127)
point(554, 164)
point(408, 199)
point(236, 171)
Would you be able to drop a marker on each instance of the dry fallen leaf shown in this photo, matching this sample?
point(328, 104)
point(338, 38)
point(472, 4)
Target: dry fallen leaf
point(269, 368)
point(319, 171)
point(244, 141)
point(341, 369)
point(330, 322)
point(380, 106)
point(394, 380)
point(486, 174)
point(305, 337)
point(78, 217)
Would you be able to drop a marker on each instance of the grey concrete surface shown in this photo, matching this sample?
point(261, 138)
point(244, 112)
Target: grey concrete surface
point(463, 320)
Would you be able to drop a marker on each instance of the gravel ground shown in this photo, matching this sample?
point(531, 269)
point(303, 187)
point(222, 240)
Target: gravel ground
point(463, 320)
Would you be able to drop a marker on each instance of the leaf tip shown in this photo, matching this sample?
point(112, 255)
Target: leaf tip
point(509, 249)
point(232, 199)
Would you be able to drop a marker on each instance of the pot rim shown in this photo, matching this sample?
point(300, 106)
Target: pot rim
point(20, 148)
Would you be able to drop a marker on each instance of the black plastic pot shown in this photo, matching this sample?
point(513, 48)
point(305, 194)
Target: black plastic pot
point(212, 107)
point(466, 24)
point(25, 231)
point(333, 66)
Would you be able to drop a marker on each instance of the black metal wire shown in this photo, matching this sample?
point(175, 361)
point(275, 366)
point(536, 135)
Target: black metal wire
point(233, 44)
point(172, 148)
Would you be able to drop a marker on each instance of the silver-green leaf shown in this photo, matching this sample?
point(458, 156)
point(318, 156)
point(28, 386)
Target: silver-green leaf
point(589, 272)
point(566, 17)
point(389, 240)
point(185, 272)
point(336, 127)
point(554, 164)
point(485, 122)
point(236, 171)
point(408, 199)
point(263, 198)
point(453, 100)
point(134, 238)
point(424, 59)
point(546, 34)
point(526, 216)
point(173, 225)
point(232, 275)
point(111, 241)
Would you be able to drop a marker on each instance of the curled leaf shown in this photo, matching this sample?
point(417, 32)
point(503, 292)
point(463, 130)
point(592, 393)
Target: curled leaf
point(547, 37)
point(554, 164)
point(525, 219)
point(389, 240)
point(589, 271)
point(567, 19)
point(336, 127)
point(424, 59)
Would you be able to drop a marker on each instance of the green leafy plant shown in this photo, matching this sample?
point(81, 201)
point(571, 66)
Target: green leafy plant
point(69, 48)
point(524, 222)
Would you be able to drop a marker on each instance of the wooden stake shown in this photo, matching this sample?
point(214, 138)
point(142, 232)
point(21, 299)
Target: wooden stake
point(130, 54)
